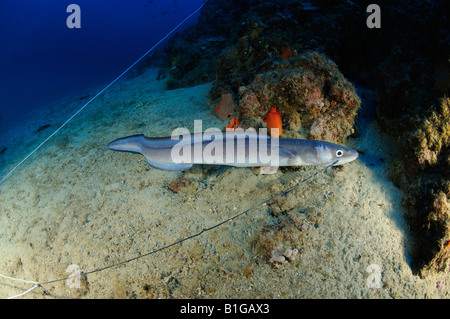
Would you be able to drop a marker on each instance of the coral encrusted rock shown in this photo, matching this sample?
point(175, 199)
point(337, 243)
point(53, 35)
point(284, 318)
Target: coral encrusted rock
point(310, 93)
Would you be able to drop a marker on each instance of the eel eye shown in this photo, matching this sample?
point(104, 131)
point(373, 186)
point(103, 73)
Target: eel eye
point(339, 153)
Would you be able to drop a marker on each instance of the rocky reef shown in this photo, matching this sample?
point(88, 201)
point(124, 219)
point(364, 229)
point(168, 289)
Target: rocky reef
point(299, 55)
point(427, 187)
point(313, 97)
point(413, 83)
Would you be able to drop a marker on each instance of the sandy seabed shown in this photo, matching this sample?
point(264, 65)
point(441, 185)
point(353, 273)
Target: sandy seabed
point(75, 202)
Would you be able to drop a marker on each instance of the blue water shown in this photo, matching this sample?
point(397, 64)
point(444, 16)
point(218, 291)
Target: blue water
point(42, 60)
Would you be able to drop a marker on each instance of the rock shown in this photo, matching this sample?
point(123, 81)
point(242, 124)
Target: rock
point(225, 108)
point(311, 95)
point(183, 185)
point(427, 191)
point(281, 243)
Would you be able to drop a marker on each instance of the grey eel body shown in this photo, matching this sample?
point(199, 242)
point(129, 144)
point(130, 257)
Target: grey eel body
point(243, 149)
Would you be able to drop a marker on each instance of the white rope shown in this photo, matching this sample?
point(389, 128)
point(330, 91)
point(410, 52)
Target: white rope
point(104, 89)
point(21, 280)
point(24, 281)
point(24, 293)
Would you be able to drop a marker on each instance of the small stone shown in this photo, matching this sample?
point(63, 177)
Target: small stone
point(291, 254)
point(277, 257)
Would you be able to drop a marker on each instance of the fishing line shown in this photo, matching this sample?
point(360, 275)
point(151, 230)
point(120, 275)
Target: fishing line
point(103, 90)
point(204, 230)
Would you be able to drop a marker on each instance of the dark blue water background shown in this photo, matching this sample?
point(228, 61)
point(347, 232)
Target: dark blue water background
point(42, 60)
